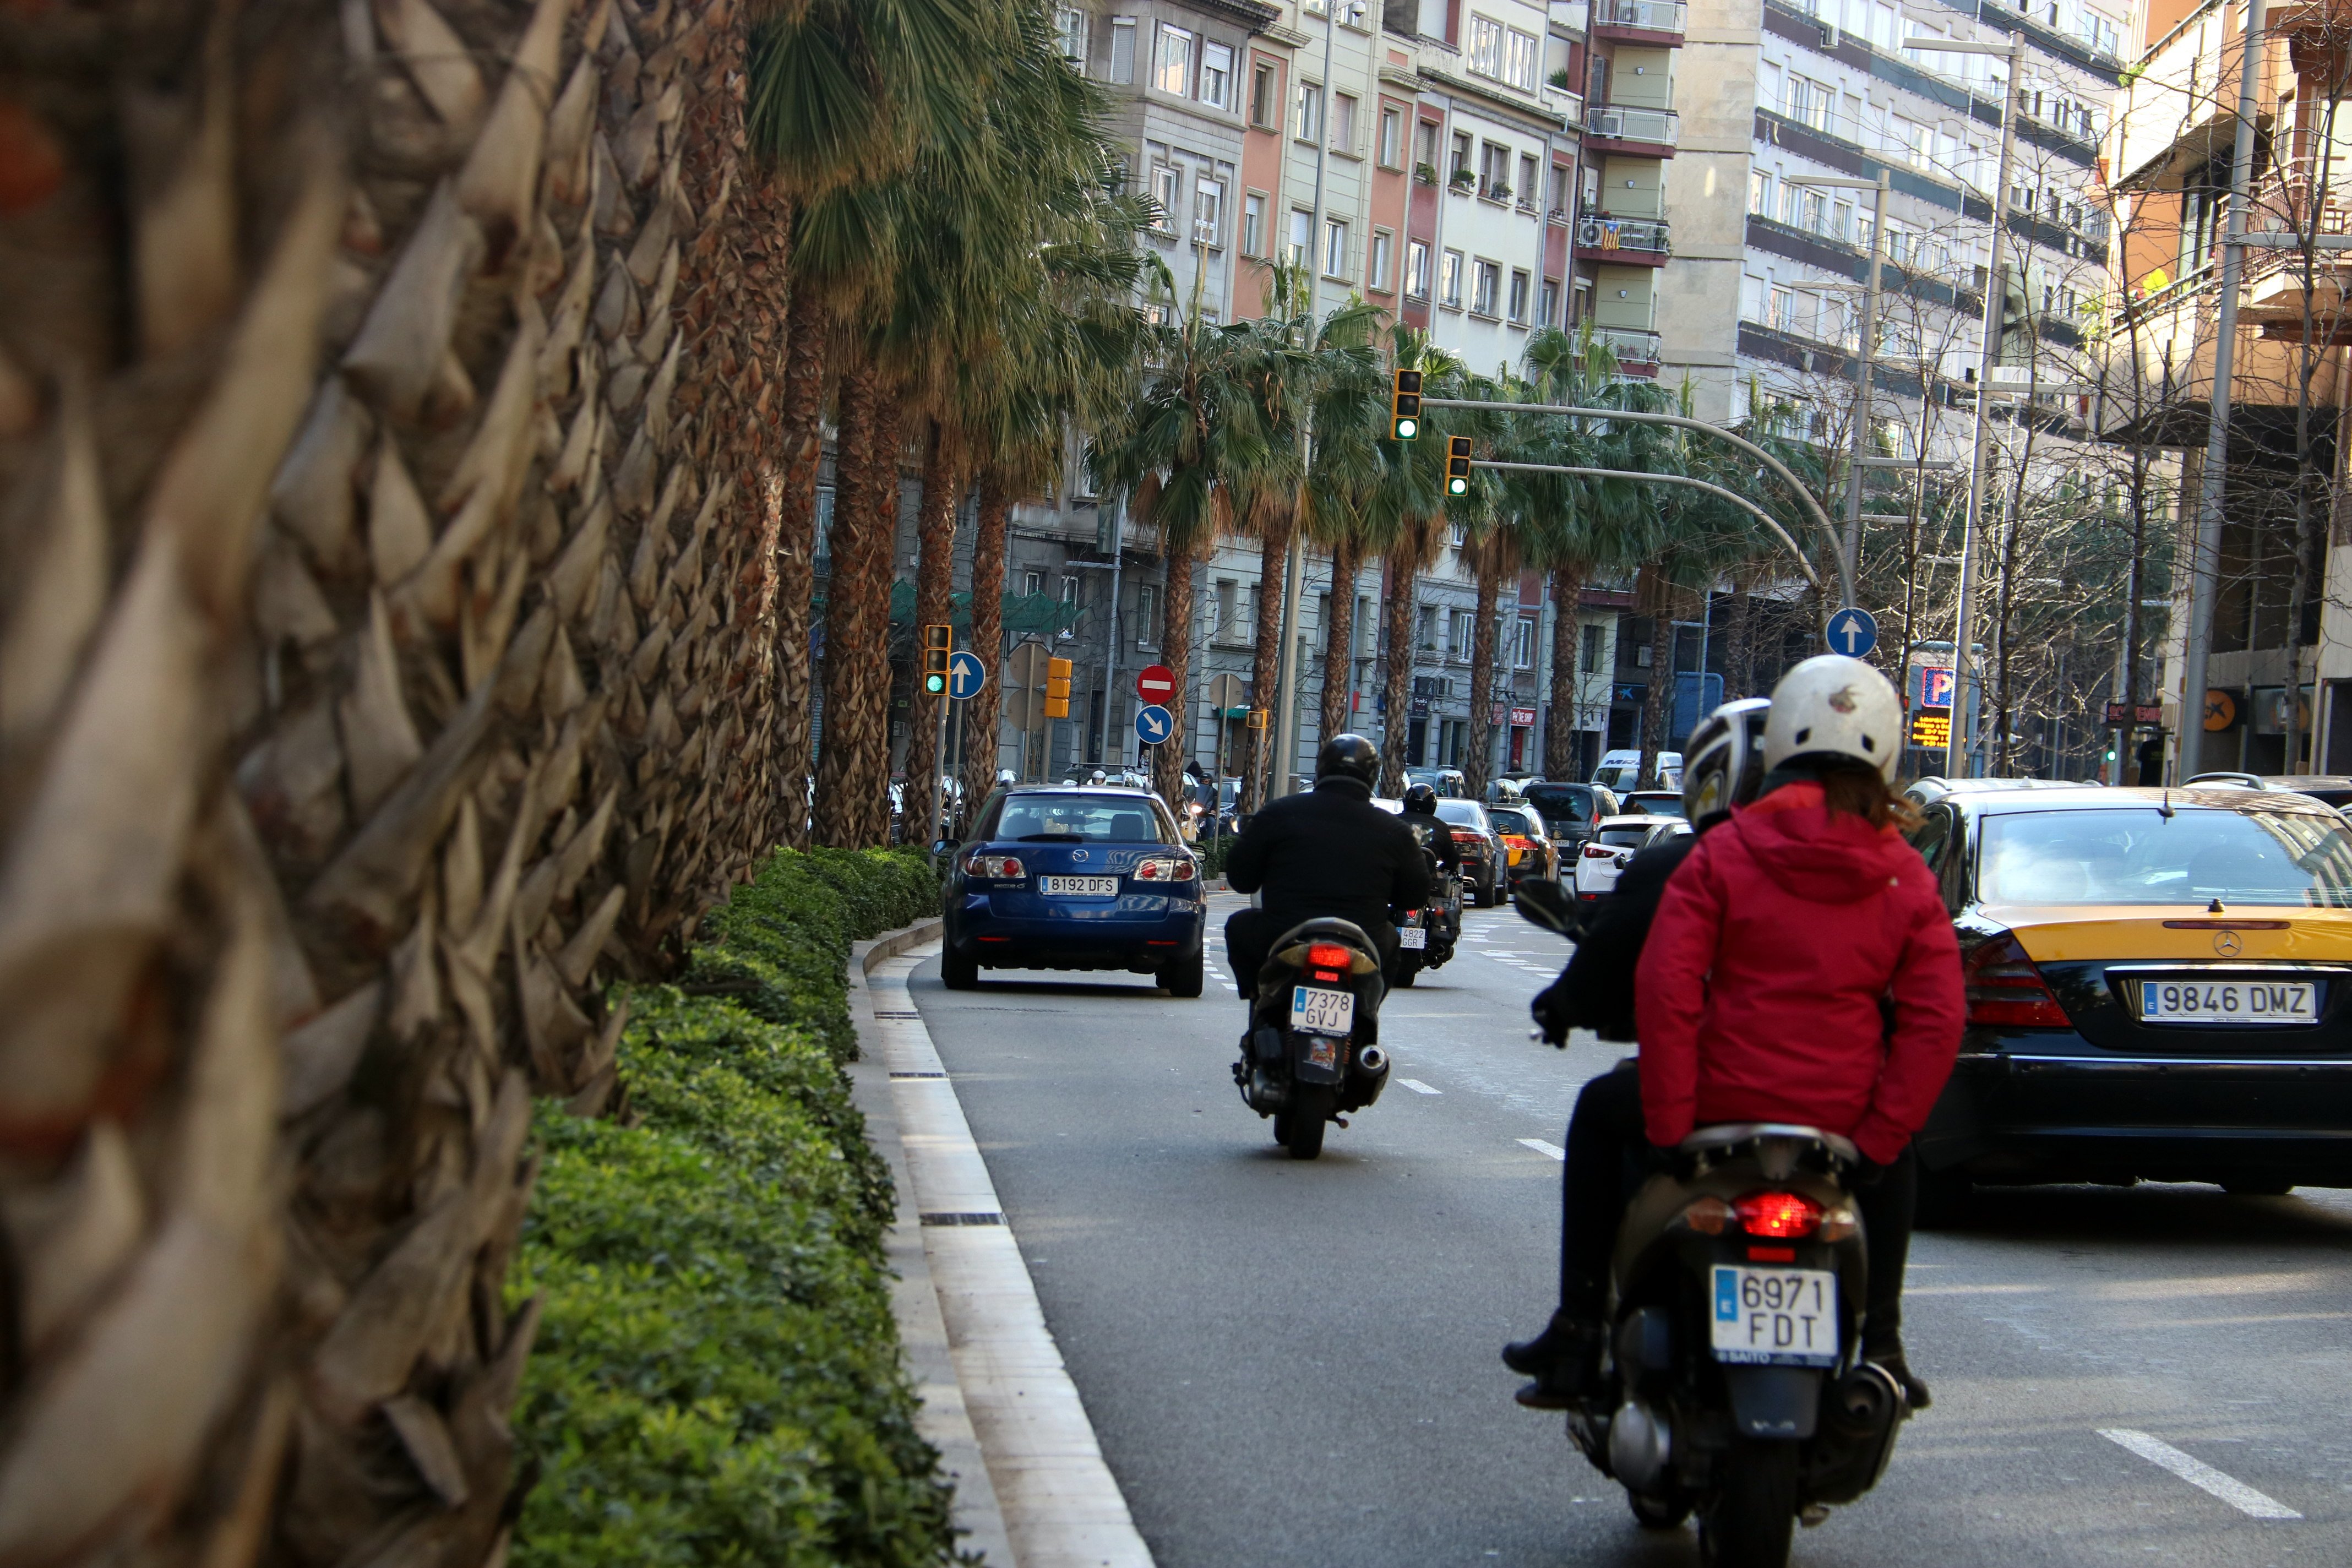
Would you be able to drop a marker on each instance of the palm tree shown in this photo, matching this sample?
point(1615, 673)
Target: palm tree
point(1405, 523)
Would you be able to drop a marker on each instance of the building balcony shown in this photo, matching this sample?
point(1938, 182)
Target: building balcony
point(1637, 352)
point(1620, 128)
point(1652, 22)
point(1641, 241)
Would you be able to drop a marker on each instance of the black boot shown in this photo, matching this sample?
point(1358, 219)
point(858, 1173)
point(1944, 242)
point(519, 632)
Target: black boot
point(1564, 1360)
point(1888, 1354)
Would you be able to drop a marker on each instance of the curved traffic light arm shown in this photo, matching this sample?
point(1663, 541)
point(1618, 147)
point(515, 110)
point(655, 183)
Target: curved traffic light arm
point(1805, 497)
point(1734, 497)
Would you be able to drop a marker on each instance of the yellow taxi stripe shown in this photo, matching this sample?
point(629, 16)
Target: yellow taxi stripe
point(2076, 932)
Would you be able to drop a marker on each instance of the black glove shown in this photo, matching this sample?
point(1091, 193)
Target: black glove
point(1549, 1010)
point(1866, 1173)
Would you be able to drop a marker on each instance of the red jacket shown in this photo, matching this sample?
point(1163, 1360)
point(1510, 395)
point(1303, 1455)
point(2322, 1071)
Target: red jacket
point(1758, 989)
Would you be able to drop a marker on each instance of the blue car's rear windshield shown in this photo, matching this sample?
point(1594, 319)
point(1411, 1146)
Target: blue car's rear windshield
point(1077, 818)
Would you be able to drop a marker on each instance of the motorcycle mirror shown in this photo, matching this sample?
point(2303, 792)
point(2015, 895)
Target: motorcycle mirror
point(1547, 904)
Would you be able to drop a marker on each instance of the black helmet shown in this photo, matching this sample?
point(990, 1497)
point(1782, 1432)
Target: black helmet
point(1723, 761)
point(1349, 757)
point(1421, 800)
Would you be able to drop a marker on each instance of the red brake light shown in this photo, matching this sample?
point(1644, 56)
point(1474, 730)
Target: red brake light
point(999, 867)
point(2005, 991)
point(1329, 955)
point(1164, 869)
point(1778, 1215)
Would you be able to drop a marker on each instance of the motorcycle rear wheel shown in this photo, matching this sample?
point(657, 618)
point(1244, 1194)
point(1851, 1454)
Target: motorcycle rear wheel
point(1659, 1513)
point(1310, 1107)
point(1407, 974)
point(1754, 1513)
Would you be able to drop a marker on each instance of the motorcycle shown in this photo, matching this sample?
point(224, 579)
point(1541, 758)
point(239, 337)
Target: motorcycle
point(1426, 936)
point(1732, 1384)
point(1308, 1059)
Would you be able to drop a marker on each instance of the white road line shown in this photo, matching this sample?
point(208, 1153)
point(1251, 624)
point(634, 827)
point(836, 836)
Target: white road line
point(1418, 1087)
point(1549, 1151)
point(2197, 1473)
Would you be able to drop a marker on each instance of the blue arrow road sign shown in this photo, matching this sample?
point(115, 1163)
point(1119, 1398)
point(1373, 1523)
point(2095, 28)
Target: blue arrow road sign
point(1852, 631)
point(1152, 724)
point(966, 674)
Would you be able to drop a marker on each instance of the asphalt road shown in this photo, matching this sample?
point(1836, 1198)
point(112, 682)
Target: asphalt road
point(1295, 1363)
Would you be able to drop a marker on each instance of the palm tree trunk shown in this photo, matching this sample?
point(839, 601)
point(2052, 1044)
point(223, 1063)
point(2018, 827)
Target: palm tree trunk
point(934, 602)
point(1657, 699)
point(798, 437)
point(1739, 640)
point(1561, 729)
point(855, 754)
point(1340, 638)
point(1265, 657)
point(1481, 672)
point(1176, 653)
point(1396, 617)
point(979, 712)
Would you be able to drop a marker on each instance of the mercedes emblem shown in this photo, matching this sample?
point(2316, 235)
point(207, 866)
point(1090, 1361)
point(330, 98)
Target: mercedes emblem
point(2226, 944)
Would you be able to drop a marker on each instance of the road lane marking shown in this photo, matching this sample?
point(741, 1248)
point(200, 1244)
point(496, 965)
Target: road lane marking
point(2199, 1474)
point(1549, 1151)
point(1418, 1087)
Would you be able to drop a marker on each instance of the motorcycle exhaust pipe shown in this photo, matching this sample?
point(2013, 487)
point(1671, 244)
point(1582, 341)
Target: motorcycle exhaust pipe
point(1640, 1445)
point(1371, 1062)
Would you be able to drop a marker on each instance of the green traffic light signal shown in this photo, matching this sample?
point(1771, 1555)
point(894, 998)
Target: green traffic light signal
point(1457, 487)
point(1457, 465)
point(1404, 404)
point(934, 684)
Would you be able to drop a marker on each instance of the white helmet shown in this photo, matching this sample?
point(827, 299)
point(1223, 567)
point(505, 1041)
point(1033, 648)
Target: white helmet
point(1834, 706)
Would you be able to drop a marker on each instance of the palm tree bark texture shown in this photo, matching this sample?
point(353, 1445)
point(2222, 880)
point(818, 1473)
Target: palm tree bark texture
point(1337, 715)
point(1657, 596)
point(1476, 764)
point(856, 667)
point(934, 596)
point(1266, 655)
point(1168, 759)
point(979, 712)
point(1396, 664)
point(801, 408)
point(384, 675)
point(1560, 731)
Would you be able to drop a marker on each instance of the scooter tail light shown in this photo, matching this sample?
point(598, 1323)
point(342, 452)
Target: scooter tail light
point(1779, 1216)
point(1709, 1216)
point(1840, 1224)
point(1329, 955)
point(2006, 991)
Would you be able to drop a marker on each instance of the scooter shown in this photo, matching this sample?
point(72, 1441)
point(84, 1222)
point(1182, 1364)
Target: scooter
point(1311, 1057)
point(1732, 1384)
point(1426, 936)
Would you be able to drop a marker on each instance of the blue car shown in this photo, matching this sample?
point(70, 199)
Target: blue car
point(1054, 877)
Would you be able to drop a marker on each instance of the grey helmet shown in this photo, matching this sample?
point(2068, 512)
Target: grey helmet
point(1723, 761)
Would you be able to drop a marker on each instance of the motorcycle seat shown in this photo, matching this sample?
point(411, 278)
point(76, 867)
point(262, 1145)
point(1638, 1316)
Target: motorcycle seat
point(1731, 1134)
point(1327, 927)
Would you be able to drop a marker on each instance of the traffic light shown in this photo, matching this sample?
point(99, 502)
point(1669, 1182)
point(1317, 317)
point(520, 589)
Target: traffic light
point(1404, 406)
point(938, 647)
point(1457, 465)
point(1058, 688)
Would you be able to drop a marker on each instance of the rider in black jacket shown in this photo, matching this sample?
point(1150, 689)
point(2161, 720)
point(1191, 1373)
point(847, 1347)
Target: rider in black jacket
point(1328, 852)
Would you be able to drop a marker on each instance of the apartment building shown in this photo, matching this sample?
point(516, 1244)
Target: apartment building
point(2281, 656)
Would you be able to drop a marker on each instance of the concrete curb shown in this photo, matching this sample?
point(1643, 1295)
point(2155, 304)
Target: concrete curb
point(942, 1419)
point(1050, 1499)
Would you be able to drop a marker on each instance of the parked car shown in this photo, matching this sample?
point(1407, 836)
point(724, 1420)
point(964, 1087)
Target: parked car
point(1452, 783)
point(1569, 811)
point(1655, 803)
point(1621, 770)
point(1060, 878)
point(1528, 850)
point(1920, 792)
point(2160, 987)
point(1483, 860)
point(1616, 841)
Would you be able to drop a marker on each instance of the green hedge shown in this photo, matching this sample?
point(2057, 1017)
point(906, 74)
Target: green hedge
point(717, 1378)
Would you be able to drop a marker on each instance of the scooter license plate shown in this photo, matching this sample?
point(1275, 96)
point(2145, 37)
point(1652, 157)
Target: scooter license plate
point(1316, 1011)
point(1774, 1317)
point(1413, 936)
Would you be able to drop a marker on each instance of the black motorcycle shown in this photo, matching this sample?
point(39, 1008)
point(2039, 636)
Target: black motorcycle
point(1310, 1056)
point(1426, 936)
point(1732, 1382)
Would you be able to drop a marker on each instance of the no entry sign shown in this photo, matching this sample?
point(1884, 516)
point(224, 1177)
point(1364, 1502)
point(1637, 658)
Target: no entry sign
point(1155, 683)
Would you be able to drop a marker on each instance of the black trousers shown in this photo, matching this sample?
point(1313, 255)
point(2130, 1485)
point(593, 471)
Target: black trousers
point(1607, 1150)
point(1250, 936)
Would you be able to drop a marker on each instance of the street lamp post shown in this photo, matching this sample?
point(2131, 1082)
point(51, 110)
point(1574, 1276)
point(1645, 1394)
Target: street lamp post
point(1865, 365)
point(1956, 748)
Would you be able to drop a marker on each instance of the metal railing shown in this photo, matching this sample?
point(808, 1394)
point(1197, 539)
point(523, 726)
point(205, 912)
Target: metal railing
point(1600, 231)
point(1650, 16)
point(1631, 345)
point(1619, 122)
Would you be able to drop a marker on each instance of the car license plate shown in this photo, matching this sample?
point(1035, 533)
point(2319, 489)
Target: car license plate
point(1775, 1317)
point(1413, 936)
point(1079, 887)
point(1315, 1011)
point(2221, 1004)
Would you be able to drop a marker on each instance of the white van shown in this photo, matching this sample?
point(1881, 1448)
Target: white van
point(1620, 772)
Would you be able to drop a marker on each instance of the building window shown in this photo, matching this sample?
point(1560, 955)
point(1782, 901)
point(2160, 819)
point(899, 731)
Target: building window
point(1383, 244)
point(1559, 197)
point(1343, 123)
point(1494, 170)
point(1147, 623)
point(1032, 583)
point(1174, 75)
point(1486, 47)
point(1461, 154)
point(1458, 632)
point(1519, 295)
point(1122, 50)
point(1070, 23)
point(1070, 591)
point(1302, 236)
point(1523, 644)
point(1425, 142)
point(1520, 53)
point(1449, 280)
point(1217, 75)
point(1163, 199)
point(1548, 307)
point(1416, 269)
point(1485, 285)
point(1334, 247)
point(1392, 137)
point(1760, 191)
point(1527, 179)
point(1593, 645)
point(1310, 110)
point(1209, 212)
point(1254, 225)
point(1262, 96)
point(1425, 630)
